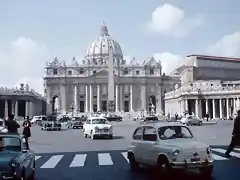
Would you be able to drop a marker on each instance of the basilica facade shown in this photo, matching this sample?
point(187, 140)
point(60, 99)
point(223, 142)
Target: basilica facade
point(82, 86)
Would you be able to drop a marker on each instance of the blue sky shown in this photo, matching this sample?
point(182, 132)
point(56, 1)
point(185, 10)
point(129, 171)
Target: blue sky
point(32, 32)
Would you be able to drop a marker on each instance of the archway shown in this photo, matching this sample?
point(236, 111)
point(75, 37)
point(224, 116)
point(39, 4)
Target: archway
point(152, 103)
point(55, 104)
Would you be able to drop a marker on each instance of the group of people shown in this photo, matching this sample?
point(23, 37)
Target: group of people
point(12, 126)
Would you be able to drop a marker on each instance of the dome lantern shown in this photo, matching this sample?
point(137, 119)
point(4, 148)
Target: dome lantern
point(104, 30)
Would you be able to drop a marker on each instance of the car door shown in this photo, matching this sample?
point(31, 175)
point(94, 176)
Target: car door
point(137, 142)
point(149, 143)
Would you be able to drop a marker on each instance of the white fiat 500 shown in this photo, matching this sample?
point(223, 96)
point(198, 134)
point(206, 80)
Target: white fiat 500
point(97, 127)
point(169, 146)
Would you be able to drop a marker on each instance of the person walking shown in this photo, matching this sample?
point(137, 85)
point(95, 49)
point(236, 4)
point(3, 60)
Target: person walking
point(26, 129)
point(11, 124)
point(235, 141)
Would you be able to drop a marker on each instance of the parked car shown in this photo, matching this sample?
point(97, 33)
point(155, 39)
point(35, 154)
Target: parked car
point(113, 117)
point(97, 127)
point(169, 146)
point(77, 122)
point(149, 119)
point(17, 160)
point(51, 124)
point(3, 129)
point(65, 121)
point(38, 119)
point(191, 120)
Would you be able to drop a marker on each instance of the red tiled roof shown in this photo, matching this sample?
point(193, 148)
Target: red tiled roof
point(205, 57)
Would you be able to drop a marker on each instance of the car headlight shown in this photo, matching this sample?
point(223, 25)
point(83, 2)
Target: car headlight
point(14, 165)
point(175, 152)
point(209, 150)
point(110, 128)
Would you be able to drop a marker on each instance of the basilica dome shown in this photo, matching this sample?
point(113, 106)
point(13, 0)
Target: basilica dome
point(98, 52)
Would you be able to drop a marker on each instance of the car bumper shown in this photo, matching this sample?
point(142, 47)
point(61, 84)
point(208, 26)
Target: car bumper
point(103, 134)
point(6, 175)
point(186, 164)
point(77, 126)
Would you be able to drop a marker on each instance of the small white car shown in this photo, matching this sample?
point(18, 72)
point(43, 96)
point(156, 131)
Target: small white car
point(191, 120)
point(169, 146)
point(97, 127)
point(3, 129)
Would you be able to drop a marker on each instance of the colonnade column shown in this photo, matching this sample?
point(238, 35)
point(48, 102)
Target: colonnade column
point(98, 98)
point(143, 93)
point(75, 98)
point(86, 99)
point(227, 106)
point(90, 98)
point(214, 108)
point(63, 98)
point(186, 105)
point(197, 108)
point(27, 108)
point(207, 108)
point(6, 109)
point(131, 98)
point(220, 109)
point(16, 108)
point(121, 98)
point(117, 98)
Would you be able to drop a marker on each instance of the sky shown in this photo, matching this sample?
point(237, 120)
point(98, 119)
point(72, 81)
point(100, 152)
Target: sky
point(32, 33)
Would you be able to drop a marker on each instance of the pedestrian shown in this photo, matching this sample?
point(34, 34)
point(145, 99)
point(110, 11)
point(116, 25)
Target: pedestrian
point(235, 141)
point(207, 116)
point(26, 129)
point(11, 124)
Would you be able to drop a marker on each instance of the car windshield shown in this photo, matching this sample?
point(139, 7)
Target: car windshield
point(99, 121)
point(174, 132)
point(10, 144)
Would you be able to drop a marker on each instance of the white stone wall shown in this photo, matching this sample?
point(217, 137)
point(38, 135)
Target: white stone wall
point(172, 106)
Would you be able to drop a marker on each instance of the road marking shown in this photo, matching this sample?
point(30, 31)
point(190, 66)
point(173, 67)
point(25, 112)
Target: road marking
point(79, 160)
point(125, 156)
point(52, 162)
point(37, 157)
point(223, 151)
point(104, 159)
point(218, 158)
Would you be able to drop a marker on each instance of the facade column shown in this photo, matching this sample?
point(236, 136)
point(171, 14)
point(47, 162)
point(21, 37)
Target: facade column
point(6, 109)
point(121, 98)
point(197, 108)
point(220, 108)
point(117, 98)
point(207, 108)
point(234, 105)
point(30, 111)
point(131, 98)
point(227, 106)
point(86, 98)
point(13, 108)
point(26, 108)
point(63, 98)
point(98, 98)
point(214, 108)
point(143, 93)
point(75, 98)
point(90, 98)
point(16, 108)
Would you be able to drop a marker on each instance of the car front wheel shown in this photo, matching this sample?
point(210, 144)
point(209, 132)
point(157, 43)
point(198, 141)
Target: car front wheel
point(200, 123)
point(132, 162)
point(206, 171)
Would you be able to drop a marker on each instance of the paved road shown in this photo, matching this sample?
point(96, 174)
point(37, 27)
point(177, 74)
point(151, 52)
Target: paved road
point(72, 140)
point(109, 165)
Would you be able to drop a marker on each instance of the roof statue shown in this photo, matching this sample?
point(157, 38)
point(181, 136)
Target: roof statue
point(133, 62)
point(153, 62)
point(74, 62)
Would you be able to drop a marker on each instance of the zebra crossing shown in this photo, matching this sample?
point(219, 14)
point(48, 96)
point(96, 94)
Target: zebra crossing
point(75, 160)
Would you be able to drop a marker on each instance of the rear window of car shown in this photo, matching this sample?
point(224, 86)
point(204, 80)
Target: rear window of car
point(10, 144)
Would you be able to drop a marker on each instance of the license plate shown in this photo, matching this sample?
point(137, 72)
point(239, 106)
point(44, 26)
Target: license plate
point(195, 159)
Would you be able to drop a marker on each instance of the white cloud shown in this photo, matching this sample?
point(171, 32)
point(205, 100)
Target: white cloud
point(228, 45)
point(24, 62)
point(172, 21)
point(169, 61)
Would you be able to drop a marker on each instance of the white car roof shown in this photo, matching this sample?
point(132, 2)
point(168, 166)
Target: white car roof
point(163, 124)
point(92, 118)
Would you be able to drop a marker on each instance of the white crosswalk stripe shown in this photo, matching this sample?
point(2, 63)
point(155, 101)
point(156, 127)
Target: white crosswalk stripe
point(105, 159)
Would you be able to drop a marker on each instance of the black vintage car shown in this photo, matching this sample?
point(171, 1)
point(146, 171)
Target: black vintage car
point(78, 122)
point(113, 117)
point(149, 119)
point(17, 161)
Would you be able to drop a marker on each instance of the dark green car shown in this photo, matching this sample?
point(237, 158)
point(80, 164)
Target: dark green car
point(17, 161)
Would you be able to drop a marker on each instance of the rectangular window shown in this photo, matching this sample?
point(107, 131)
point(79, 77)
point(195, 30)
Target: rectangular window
point(137, 72)
point(55, 71)
point(69, 72)
point(125, 72)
